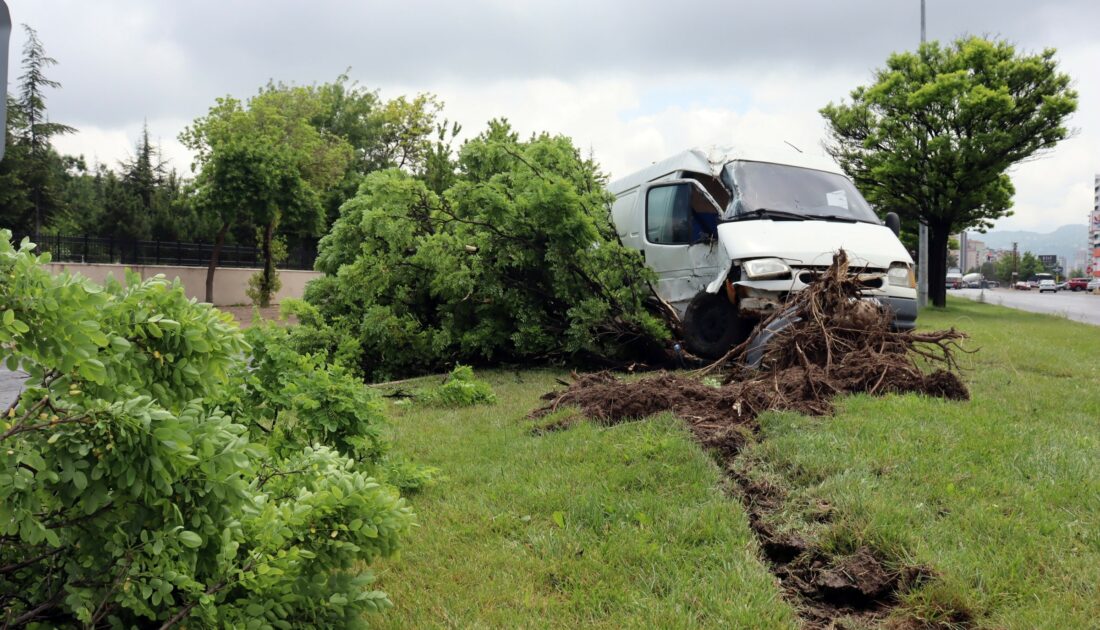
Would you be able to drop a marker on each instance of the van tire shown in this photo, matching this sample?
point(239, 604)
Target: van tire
point(712, 326)
point(758, 345)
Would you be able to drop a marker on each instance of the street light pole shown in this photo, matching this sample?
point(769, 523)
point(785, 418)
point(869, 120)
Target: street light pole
point(922, 245)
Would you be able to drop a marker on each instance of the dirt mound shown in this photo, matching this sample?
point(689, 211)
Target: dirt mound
point(833, 343)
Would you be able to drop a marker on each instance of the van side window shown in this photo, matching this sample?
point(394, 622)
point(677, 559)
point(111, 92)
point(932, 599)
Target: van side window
point(668, 215)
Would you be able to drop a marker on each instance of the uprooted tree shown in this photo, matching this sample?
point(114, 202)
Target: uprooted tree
point(517, 260)
point(932, 138)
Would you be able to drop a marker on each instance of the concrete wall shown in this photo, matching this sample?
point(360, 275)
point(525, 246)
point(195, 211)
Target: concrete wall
point(229, 283)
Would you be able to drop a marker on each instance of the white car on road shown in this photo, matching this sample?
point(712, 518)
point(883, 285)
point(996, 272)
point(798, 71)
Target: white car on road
point(1047, 285)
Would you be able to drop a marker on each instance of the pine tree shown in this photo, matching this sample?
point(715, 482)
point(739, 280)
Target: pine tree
point(16, 205)
point(37, 128)
point(141, 175)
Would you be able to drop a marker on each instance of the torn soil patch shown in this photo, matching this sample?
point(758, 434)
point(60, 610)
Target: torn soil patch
point(833, 343)
point(829, 591)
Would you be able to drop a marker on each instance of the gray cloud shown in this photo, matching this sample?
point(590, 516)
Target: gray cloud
point(121, 60)
point(631, 80)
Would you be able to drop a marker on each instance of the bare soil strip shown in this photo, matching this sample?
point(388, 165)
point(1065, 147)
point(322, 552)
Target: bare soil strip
point(838, 345)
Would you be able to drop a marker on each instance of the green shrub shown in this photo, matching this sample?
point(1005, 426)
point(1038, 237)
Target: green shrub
point(315, 335)
point(263, 286)
point(461, 389)
point(147, 477)
point(406, 476)
point(294, 400)
point(517, 261)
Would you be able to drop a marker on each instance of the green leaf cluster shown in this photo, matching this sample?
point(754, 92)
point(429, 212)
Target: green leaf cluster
point(516, 261)
point(1025, 266)
point(461, 389)
point(933, 136)
point(149, 475)
point(294, 400)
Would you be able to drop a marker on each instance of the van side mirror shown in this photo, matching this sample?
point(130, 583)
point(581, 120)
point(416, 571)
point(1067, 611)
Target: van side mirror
point(893, 221)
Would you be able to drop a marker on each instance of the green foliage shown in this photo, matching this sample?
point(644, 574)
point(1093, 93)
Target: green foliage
point(16, 205)
point(265, 283)
point(262, 163)
point(461, 389)
point(148, 477)
point(407, 476)
point(262, 287)
point(63, 194)
point(515, 261)
point(933, 136)
point(315, 335)
point(1030, 265)
point(1025, 265)
point(988, 270)
point(144, 200)
point(32, 169)
point(294, 400)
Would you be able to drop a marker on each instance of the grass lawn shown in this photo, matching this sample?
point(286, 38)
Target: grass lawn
point(614, 527)
point(1001, 495)
point(628, 527)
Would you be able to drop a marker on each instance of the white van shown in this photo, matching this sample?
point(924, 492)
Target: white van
point(731, 234)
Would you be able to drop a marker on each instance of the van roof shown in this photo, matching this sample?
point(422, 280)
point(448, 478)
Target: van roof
point(712, 159)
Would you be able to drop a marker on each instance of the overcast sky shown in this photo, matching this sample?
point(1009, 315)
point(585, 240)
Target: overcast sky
point(632, 81)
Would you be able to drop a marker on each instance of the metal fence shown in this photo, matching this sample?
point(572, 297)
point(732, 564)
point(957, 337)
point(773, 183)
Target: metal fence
point(91, 249)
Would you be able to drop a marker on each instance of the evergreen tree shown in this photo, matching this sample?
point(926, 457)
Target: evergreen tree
point(37, 129)
point(16, 206)
point(140, 175)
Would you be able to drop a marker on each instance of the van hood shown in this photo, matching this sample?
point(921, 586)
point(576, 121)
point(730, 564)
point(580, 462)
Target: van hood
point(812, 243)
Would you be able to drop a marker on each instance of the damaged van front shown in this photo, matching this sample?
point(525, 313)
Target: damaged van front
point(730, 237)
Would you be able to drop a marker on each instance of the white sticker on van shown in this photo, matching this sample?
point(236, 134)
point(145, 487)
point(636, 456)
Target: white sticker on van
point(837, 198)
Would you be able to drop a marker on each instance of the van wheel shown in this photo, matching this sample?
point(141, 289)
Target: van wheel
point(712, 326)
point(754, 353)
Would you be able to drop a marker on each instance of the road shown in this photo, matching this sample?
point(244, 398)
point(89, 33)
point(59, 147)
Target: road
point(1080, 306)
point(11, 383)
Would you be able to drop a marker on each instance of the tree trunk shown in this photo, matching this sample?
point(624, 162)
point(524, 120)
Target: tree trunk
point(938, 235)
point(214, 255)
point(269, 266)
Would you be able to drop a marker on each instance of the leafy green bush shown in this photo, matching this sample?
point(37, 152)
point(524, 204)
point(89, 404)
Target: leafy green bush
point(315, 335)
point(407, 476)
point(516, 261)
point(147, 477)
point(265, 283)
point(294, 400)
point(461, 389)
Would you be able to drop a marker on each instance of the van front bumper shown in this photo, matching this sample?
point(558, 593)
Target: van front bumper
point(903, 309)
point(758, 299)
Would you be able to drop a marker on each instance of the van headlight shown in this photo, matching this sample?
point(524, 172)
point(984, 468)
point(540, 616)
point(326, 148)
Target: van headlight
point(901, 275)
point(766, 269)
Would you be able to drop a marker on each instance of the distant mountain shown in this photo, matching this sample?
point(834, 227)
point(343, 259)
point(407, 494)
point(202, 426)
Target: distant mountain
point(1065, 241)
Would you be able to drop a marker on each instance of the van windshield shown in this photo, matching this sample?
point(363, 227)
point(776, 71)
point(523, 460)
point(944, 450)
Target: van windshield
point(763, 187)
